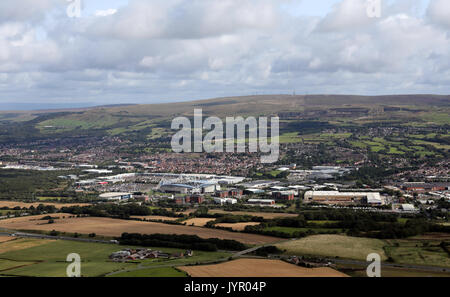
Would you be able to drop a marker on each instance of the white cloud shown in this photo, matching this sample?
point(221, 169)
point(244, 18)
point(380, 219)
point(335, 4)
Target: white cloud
point(348, 14)
point(107, 12)
point(439, 12)
point(26, 10)
point(185, 49)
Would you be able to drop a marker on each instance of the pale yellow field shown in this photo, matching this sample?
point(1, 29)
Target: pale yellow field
point(266, 215)
point(258, 268)
point(237, 226)
point(21, 244)
point(115, 227)
point(335, 245)
point(199, 222)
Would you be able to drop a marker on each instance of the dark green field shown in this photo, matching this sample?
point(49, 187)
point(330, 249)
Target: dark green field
point(48, 259)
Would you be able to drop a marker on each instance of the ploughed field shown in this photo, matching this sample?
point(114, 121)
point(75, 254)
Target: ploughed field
point(115, 227)
point(200, 222)
point(258, 268)
point(237, 226)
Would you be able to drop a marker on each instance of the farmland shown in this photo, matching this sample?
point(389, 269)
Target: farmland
point(153, 272)
point(335, 246)
point(292, 230)
point(5, 238)
point(237, 226)
point(258, 268)
point(360, 271)
point(423, 251)
point(419, 251)
point(115, 227)
point(20, 244)
point(199, 222)
point(48, 259)
point(34, 257)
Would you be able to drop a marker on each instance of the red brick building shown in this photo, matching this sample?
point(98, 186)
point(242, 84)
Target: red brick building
point(285, 195)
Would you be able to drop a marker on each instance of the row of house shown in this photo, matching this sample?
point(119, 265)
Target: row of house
point(421, 187)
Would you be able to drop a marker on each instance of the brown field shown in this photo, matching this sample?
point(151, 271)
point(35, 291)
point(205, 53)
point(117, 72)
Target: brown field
point(266, 215)
point(432, 236)
point(115, 227)
point(5, 238)
point(237, 226)
point(187, 212)
point(21, 244)
point(199, 222)
point(258, 268)
point(12, 204)
point(156, 218)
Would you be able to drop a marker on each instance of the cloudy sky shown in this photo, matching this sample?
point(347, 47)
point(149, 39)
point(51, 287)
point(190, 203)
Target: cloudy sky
point(149, 51)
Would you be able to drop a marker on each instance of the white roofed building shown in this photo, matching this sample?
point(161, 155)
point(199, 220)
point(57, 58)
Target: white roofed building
point(343, 198)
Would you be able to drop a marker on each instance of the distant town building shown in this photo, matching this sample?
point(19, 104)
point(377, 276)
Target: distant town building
point(343, 198)
point(223, 201)
point(261, 201)
point(284, 195)
point(116, 196)
point(425, 187)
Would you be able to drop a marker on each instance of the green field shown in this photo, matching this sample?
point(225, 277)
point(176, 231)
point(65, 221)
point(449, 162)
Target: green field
point(199, 257)
point(360, 271)
point(4, 212)
point(335, 246)
point(49, 198)
point(8, 264)
point(153, 272)
point(406, 251)
point(292, 230)
point(415, 252)
point(49, 259)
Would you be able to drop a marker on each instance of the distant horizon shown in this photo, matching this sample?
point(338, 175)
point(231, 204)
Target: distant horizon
point(15, 107)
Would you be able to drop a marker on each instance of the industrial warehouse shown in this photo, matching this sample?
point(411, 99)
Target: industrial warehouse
point(343, 198)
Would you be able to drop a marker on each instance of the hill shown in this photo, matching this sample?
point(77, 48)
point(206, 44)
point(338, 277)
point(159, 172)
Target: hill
point(152, 121)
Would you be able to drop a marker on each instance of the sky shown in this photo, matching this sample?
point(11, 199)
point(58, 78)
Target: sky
point(153, 51)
